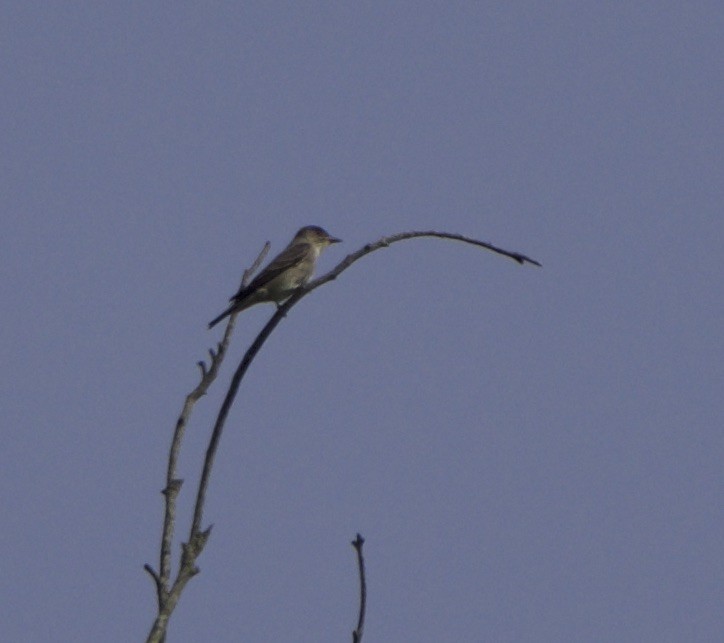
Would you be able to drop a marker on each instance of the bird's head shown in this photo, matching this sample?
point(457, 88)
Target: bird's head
point(316, 236)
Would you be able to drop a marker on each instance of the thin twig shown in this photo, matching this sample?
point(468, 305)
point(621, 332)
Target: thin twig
point(357, 633)
point(226, 407)
point(246, 277)
point(402, 236)
point(173, 484)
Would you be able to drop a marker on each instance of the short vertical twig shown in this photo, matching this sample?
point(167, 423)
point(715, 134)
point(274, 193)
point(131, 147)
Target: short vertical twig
point(357, 633)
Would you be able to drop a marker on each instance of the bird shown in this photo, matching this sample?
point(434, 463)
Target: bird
point(289, 270)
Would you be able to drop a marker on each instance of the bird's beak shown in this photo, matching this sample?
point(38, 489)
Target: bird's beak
point(334, 240)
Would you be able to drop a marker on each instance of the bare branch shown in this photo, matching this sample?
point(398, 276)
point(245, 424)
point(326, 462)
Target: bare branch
point(357, 633)
point(226, 407)
point(197, 538)
point(274, 321)
point(173, 485)
point(384, 242)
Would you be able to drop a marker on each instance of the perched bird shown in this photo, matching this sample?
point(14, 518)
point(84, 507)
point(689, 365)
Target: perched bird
point(290, 269)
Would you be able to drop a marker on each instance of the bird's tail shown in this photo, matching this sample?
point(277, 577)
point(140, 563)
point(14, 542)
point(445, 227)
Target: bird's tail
point(223, 315)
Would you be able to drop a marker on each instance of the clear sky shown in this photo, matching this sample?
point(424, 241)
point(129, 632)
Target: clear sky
point(532, 454)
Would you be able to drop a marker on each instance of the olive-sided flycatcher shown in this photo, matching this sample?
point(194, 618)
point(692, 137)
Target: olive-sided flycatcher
point(290, 269)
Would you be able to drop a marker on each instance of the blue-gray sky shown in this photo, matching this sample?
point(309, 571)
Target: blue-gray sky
point(532, 454)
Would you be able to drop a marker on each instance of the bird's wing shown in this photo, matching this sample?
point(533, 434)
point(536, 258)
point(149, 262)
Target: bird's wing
point(289, 257)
